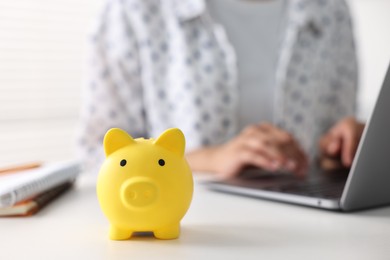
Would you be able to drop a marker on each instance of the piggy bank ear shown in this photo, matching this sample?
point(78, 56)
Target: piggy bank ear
point(172, 140)
point(115, 139)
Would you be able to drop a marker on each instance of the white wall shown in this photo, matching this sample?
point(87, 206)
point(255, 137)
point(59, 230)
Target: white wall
point(41, 60)
point(372, 30)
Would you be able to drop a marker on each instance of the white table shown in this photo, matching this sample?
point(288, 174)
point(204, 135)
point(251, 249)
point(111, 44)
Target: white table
point(217, 226)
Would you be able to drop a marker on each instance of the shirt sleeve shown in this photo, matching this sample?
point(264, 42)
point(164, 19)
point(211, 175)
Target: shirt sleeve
point(112, 94)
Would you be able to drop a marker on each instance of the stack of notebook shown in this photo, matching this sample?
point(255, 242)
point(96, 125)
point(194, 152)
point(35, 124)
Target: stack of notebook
point(24, 192)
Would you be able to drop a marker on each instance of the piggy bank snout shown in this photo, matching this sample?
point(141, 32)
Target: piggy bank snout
point(138, 192)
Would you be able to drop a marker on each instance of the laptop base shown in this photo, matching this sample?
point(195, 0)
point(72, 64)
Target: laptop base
point(319, 189)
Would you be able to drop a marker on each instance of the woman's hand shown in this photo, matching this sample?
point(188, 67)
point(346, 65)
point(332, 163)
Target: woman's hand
point(264, 146)
point(338, 146)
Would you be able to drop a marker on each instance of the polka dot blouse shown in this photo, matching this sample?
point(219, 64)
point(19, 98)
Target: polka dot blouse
point(158, 64)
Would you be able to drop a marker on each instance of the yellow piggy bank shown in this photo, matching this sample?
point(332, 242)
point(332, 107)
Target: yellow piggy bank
point(144, 184)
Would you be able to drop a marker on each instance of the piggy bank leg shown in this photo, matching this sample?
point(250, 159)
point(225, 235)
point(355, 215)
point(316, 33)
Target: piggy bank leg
point(119, 233)
point(169, 232)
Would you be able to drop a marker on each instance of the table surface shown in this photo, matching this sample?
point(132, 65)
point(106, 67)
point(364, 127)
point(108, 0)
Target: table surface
point(217, 226)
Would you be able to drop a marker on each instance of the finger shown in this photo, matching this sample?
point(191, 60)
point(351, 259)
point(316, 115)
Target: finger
point(291, 148)
point(285, 141)
point(334, 147)
point(282, 139)
point(257, 140)
point(274, 156)
point(349, 145)
point(323, 143)
point(294, 157)
point(279, 146)
point(248, 157)
point(297, 162)
point(260, 142)
point(330, 143)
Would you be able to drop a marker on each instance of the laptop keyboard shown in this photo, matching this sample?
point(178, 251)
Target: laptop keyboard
point(325, 185)
point(320, 190)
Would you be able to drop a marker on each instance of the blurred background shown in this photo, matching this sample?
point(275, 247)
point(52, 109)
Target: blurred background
point(42, 52)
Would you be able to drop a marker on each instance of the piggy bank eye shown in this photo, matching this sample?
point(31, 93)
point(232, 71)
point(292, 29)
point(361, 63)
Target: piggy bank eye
point(161, 162)
point(123, 163)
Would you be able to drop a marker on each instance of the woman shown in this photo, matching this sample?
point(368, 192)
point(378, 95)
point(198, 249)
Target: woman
point(220, 70)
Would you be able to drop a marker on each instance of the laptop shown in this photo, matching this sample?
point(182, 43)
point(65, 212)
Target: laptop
point(365, 185)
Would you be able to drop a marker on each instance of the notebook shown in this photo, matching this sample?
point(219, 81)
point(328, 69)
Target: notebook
point(23, 185)
point(36, 203)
